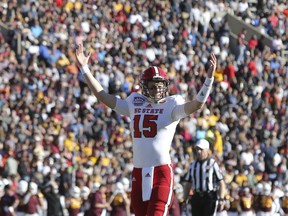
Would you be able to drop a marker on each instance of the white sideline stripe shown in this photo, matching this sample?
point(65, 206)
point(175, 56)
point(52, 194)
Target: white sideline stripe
point(170, 192)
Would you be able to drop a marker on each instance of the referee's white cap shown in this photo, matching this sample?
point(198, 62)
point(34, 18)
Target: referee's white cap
point(203, 144)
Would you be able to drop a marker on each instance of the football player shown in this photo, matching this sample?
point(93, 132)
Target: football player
point(154, 116)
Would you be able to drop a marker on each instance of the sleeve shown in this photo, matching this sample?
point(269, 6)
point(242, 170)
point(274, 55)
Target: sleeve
point(218, 172)
point(122, 107)
point(178, 112)
point(188, 175)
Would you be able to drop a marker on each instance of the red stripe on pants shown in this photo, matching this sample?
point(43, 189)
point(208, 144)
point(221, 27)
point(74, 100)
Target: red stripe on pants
point(162, 192)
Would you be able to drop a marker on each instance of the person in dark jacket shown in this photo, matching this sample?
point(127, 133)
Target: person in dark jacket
point(50, 192)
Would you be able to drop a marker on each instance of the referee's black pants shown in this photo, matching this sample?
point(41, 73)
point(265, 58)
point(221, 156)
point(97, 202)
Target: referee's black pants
point(204, 204)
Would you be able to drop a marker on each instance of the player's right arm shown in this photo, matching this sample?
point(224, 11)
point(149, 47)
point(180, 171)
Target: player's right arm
point(106, 98)
point(201, 98)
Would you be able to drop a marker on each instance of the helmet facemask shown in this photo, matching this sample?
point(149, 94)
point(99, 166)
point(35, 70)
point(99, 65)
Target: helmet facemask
point(154, 84)
point(155, 90)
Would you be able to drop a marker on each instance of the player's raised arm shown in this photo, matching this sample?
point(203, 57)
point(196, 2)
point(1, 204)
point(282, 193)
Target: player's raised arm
point(204, 92)
point(108, 99)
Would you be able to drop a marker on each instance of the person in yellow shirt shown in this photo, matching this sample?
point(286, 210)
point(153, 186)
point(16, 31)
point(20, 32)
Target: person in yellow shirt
point(62, 62)
point(73, 4)
point(70, 143)
point(229, 174)
point(218, 144)
point(219, 73)
point(118, 6)
point(241, 178)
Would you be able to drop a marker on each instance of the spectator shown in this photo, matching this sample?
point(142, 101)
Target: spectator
point(31, 200)
point(98, 202)
point(241, 45)
point(74, 202)
point(9, 202)
point(119, 202)
point(50, 192)
point(11, 165)
point(246, 202)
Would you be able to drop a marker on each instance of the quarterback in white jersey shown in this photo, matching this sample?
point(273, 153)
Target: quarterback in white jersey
point(154, 116)
point(152, 126)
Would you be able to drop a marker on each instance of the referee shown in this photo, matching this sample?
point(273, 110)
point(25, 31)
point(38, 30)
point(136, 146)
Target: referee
point(206, 180)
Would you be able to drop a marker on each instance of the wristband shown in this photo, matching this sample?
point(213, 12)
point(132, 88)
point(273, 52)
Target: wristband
point(85, 69)
point(209, 81)
point(204, 92)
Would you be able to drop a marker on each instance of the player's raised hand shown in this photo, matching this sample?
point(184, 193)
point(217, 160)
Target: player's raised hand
point(81, 58)
point(212, 66)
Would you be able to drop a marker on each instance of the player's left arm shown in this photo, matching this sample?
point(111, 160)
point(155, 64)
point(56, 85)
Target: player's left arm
point(204, 92)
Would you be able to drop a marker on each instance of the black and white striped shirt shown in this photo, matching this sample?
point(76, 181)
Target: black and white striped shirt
point(204, 175)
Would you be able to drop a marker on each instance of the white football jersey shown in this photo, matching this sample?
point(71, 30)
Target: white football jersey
point(152, 127)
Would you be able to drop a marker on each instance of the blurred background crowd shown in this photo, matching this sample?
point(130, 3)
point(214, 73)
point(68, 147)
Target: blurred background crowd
point(60, 147)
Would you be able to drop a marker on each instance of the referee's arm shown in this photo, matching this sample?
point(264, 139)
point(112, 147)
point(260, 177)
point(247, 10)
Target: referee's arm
point(222, 189)
point(187, 183)
point(222, 184)
point(187, 188)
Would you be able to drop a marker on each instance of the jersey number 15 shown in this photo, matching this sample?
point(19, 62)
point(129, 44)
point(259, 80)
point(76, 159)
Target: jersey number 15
point(149, 126)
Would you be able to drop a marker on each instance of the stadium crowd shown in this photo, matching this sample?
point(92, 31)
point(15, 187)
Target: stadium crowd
point(60, 147)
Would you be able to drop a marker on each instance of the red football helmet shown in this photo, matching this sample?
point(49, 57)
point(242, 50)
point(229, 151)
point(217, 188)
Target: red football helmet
point(156, 75)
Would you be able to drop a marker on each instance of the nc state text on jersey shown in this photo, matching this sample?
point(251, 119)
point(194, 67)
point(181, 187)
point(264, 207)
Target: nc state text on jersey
point(149, 111)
